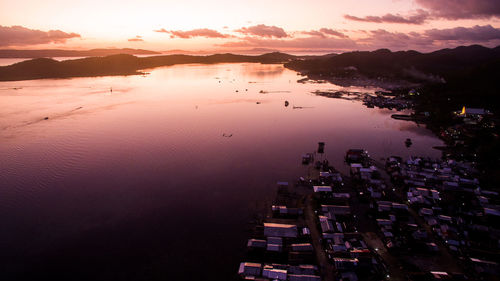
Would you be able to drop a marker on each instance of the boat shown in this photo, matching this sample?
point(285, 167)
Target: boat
point(402, 117)
point(307, 158)
point(321, 147)
point(408, 142)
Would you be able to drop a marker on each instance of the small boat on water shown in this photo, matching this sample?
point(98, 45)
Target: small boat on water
point(408, 142)
point(307, 158)
point(321, 147)
point(402, 117)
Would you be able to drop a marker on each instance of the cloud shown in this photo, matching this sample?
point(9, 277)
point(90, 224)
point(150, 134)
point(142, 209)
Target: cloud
point(162, 30)
point(381, 38)
point(314, 33)
point(136, 39)
point(263, 30)
point(419, 17)
point(22, 36)
point(430, 39)
point(442, 9)
point(462, 9)
point(201, 32)
point(330, 40)
point(333, 32)
point(427, 40)
point(476, 33)
point(325, 32)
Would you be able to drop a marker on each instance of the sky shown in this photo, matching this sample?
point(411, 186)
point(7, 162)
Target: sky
point(322, 26)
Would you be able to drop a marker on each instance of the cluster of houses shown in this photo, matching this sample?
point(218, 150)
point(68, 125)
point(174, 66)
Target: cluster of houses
point(448, 198)
point(469, 124)
point(343, 244)
point(393, 207)
point(271, 271)
point(389, 102)
point(368, 178)
point(419, 210)
point(281, 247)
point(472, 130)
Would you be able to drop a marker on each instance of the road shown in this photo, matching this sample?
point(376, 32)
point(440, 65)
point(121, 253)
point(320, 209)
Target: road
point(327, 269)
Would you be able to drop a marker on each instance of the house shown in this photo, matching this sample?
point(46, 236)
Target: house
point(280, 230)
point(485, 266)
point(256, 243)
point(336, 209)
point(274, 273)
point(302, 247)
point(275, 240)
point(274, 247)
point(439, 275)
point(249, 269)
point(322, 188)
point(345, 263)
point(326, 224)
point(472, 112)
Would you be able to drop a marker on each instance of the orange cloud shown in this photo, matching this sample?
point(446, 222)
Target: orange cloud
point(201, 32)
point(333, 32)
point(262, 30)
point(22, 36)
point(417, 18)
point(325, 32)
point(136, 39)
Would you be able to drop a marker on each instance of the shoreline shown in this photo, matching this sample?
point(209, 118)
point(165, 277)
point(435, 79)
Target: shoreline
point(362, 202)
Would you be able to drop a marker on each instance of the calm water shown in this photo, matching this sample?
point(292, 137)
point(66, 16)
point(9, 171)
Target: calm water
point(140, 184)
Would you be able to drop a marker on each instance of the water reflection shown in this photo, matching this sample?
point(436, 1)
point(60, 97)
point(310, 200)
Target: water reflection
point(167, 169)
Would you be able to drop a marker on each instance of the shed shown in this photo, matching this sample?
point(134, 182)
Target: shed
point(280, 230)
point(273, 273)
point(249, 269)
point(302, 247)
point(256, 243)
point(317, 188)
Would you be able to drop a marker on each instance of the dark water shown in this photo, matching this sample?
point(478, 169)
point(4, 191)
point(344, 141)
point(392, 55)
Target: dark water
point(140, 184)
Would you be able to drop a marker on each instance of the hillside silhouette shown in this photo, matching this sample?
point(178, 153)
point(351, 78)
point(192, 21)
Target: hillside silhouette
point(119, 65)
point(450, 77)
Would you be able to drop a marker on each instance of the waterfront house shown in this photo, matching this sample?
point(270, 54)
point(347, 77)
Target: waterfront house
point(250, 269)
point(280, 230)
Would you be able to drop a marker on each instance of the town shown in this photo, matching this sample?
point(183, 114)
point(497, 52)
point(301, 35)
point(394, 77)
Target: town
point(405, 219)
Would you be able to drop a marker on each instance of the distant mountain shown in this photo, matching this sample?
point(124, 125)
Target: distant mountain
point(448, 77)
point(119, 65)
point(437, 66)
point(12, 53)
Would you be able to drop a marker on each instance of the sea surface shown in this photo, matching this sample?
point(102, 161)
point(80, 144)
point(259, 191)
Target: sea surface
point(156, 177)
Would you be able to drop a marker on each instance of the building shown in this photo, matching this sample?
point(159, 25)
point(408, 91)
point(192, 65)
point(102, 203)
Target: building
point(322, 188)
point(249, 269)
point(472, 112)
point(280, 230)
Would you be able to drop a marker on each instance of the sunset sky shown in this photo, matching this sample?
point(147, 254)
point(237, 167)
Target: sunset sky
point(246, 26)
